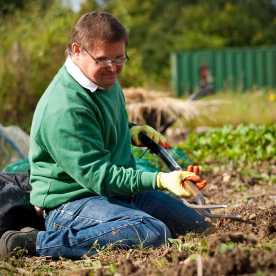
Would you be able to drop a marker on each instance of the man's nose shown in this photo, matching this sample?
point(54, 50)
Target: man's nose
point(112, 66)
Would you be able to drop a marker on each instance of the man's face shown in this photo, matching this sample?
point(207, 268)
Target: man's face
point(104, 77)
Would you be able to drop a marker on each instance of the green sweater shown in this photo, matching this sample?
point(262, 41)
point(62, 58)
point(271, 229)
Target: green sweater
point(81, 146)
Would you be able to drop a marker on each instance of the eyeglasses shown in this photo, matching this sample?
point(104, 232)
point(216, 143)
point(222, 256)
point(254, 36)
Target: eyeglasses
point(105, 63)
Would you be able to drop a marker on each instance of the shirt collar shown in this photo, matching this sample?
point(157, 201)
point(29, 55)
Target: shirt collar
point(78, 75)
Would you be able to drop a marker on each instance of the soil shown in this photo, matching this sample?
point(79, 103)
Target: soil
point(230, 247)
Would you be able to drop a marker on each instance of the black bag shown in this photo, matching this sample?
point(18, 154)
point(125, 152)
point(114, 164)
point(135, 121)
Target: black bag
point(16, 210)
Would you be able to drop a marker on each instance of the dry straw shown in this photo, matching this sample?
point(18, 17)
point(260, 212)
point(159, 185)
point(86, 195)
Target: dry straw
point(156, 108)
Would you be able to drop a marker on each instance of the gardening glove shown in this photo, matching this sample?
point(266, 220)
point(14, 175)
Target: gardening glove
point(174, 181)
point(195, 170)
point(153, 134)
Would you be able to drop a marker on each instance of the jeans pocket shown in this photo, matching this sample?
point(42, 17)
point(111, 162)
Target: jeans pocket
point(49, 221)
point(58, 227)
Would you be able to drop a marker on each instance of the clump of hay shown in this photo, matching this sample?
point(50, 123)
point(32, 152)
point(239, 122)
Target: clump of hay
point(157, 109)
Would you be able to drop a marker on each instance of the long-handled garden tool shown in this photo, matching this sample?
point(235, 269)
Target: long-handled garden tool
point(200, 207)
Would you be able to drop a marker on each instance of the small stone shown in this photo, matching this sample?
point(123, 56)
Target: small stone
point(226, 177)
point(252, 216)
point(262, 207)
point(186, 262)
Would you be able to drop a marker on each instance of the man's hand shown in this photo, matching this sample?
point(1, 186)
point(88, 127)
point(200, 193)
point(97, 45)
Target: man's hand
point(156, 136)
point(174, 181)
point(38, 210)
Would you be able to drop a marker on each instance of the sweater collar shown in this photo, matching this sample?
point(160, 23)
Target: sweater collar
point(78, 75)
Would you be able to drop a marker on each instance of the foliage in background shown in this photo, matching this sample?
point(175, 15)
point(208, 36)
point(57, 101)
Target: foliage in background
point(225, 145)
point(32, 51)
point(10, 6)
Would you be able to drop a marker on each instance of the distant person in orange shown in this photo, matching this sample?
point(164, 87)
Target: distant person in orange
point(204, 76)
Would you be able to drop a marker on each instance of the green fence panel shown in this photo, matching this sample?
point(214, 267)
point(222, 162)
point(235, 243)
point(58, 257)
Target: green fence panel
point(219, 72)
point(249, 69)
point(194, 71)
point(260, 68)
point(234, 69)
point(186, 72)
point(229, 69)
point(270, 61)
point(239, 70)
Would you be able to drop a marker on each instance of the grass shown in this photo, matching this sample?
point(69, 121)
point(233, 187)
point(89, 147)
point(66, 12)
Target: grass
point(258, 107)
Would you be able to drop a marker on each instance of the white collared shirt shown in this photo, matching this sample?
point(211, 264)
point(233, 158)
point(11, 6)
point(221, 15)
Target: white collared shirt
point(78, 75)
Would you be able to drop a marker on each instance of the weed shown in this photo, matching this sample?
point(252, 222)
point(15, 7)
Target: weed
point(226, 246)
point(189, 246)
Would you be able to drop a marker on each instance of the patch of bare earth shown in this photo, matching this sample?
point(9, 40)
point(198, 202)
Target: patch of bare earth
point(244, 247)
point(231, 247)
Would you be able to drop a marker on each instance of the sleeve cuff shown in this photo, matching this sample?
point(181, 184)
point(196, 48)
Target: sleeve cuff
point(148, 181)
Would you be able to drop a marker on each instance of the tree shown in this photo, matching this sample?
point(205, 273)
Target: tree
point(31, 52)
point(10, 6)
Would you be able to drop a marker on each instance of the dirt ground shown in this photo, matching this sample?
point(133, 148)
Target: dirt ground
point(230, 247)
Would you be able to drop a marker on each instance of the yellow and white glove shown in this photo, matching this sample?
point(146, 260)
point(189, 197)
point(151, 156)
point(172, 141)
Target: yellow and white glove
point(153, 134)
point(174, 181)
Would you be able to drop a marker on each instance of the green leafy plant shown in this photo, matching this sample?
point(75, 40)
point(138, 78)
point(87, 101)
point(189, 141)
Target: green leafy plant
point(226, 246)
point(189, 246)
point(244, 143)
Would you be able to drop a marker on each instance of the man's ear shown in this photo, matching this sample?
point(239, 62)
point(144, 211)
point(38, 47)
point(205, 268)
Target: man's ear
point(76, 50)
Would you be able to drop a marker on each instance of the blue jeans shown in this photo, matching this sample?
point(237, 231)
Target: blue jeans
point(147, 219)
